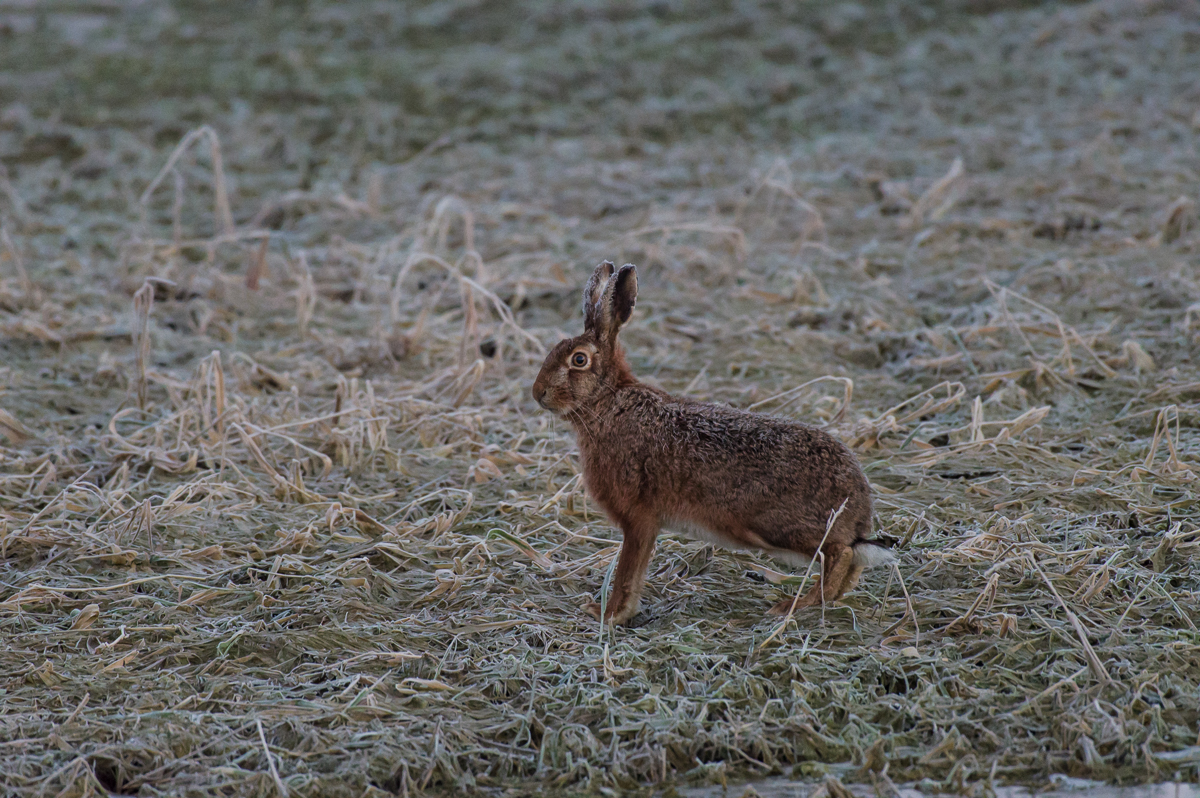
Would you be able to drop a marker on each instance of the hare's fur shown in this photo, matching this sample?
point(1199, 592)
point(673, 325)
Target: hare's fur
point(741, 480)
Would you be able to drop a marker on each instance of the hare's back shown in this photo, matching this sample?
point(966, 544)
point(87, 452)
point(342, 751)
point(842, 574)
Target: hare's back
point(770, 447)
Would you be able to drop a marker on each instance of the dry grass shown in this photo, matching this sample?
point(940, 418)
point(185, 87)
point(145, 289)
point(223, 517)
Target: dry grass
point(280, 518)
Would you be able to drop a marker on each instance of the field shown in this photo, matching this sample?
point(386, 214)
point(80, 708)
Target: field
point(280, 517)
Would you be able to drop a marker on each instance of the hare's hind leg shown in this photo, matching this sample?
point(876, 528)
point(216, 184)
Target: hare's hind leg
point(839, 575)
point(851, 578)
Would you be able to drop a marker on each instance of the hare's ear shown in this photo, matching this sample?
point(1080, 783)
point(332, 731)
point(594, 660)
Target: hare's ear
point(592, 292)
point(616, 304)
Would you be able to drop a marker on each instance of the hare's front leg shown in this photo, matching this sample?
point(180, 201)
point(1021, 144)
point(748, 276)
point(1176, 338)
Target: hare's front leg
point(630, 575)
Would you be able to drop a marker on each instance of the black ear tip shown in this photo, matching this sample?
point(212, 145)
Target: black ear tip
point(627, 277)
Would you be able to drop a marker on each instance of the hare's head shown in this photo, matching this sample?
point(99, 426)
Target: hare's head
point(581, 370)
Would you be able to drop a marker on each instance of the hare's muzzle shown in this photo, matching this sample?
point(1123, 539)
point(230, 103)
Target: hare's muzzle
point(539, 393)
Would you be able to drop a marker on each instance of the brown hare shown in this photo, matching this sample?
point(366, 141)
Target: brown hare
point(737, 479)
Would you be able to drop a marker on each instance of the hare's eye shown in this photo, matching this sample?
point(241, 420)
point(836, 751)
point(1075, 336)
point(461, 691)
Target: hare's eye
point(579, 360)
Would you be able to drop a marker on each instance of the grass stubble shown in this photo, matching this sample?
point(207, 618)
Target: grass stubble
point(280, 518)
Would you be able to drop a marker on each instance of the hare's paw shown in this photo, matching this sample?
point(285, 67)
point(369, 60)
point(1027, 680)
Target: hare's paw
point(616, 614)
point(792, 604)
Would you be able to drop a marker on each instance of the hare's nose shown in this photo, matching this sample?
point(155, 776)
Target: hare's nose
point(539, 391)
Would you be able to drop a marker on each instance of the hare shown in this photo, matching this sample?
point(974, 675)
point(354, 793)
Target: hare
point(737, 479)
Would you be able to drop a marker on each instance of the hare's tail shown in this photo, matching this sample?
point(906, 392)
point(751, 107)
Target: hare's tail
point(871, 553)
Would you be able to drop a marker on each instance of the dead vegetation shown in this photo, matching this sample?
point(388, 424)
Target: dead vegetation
point(279, 516)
